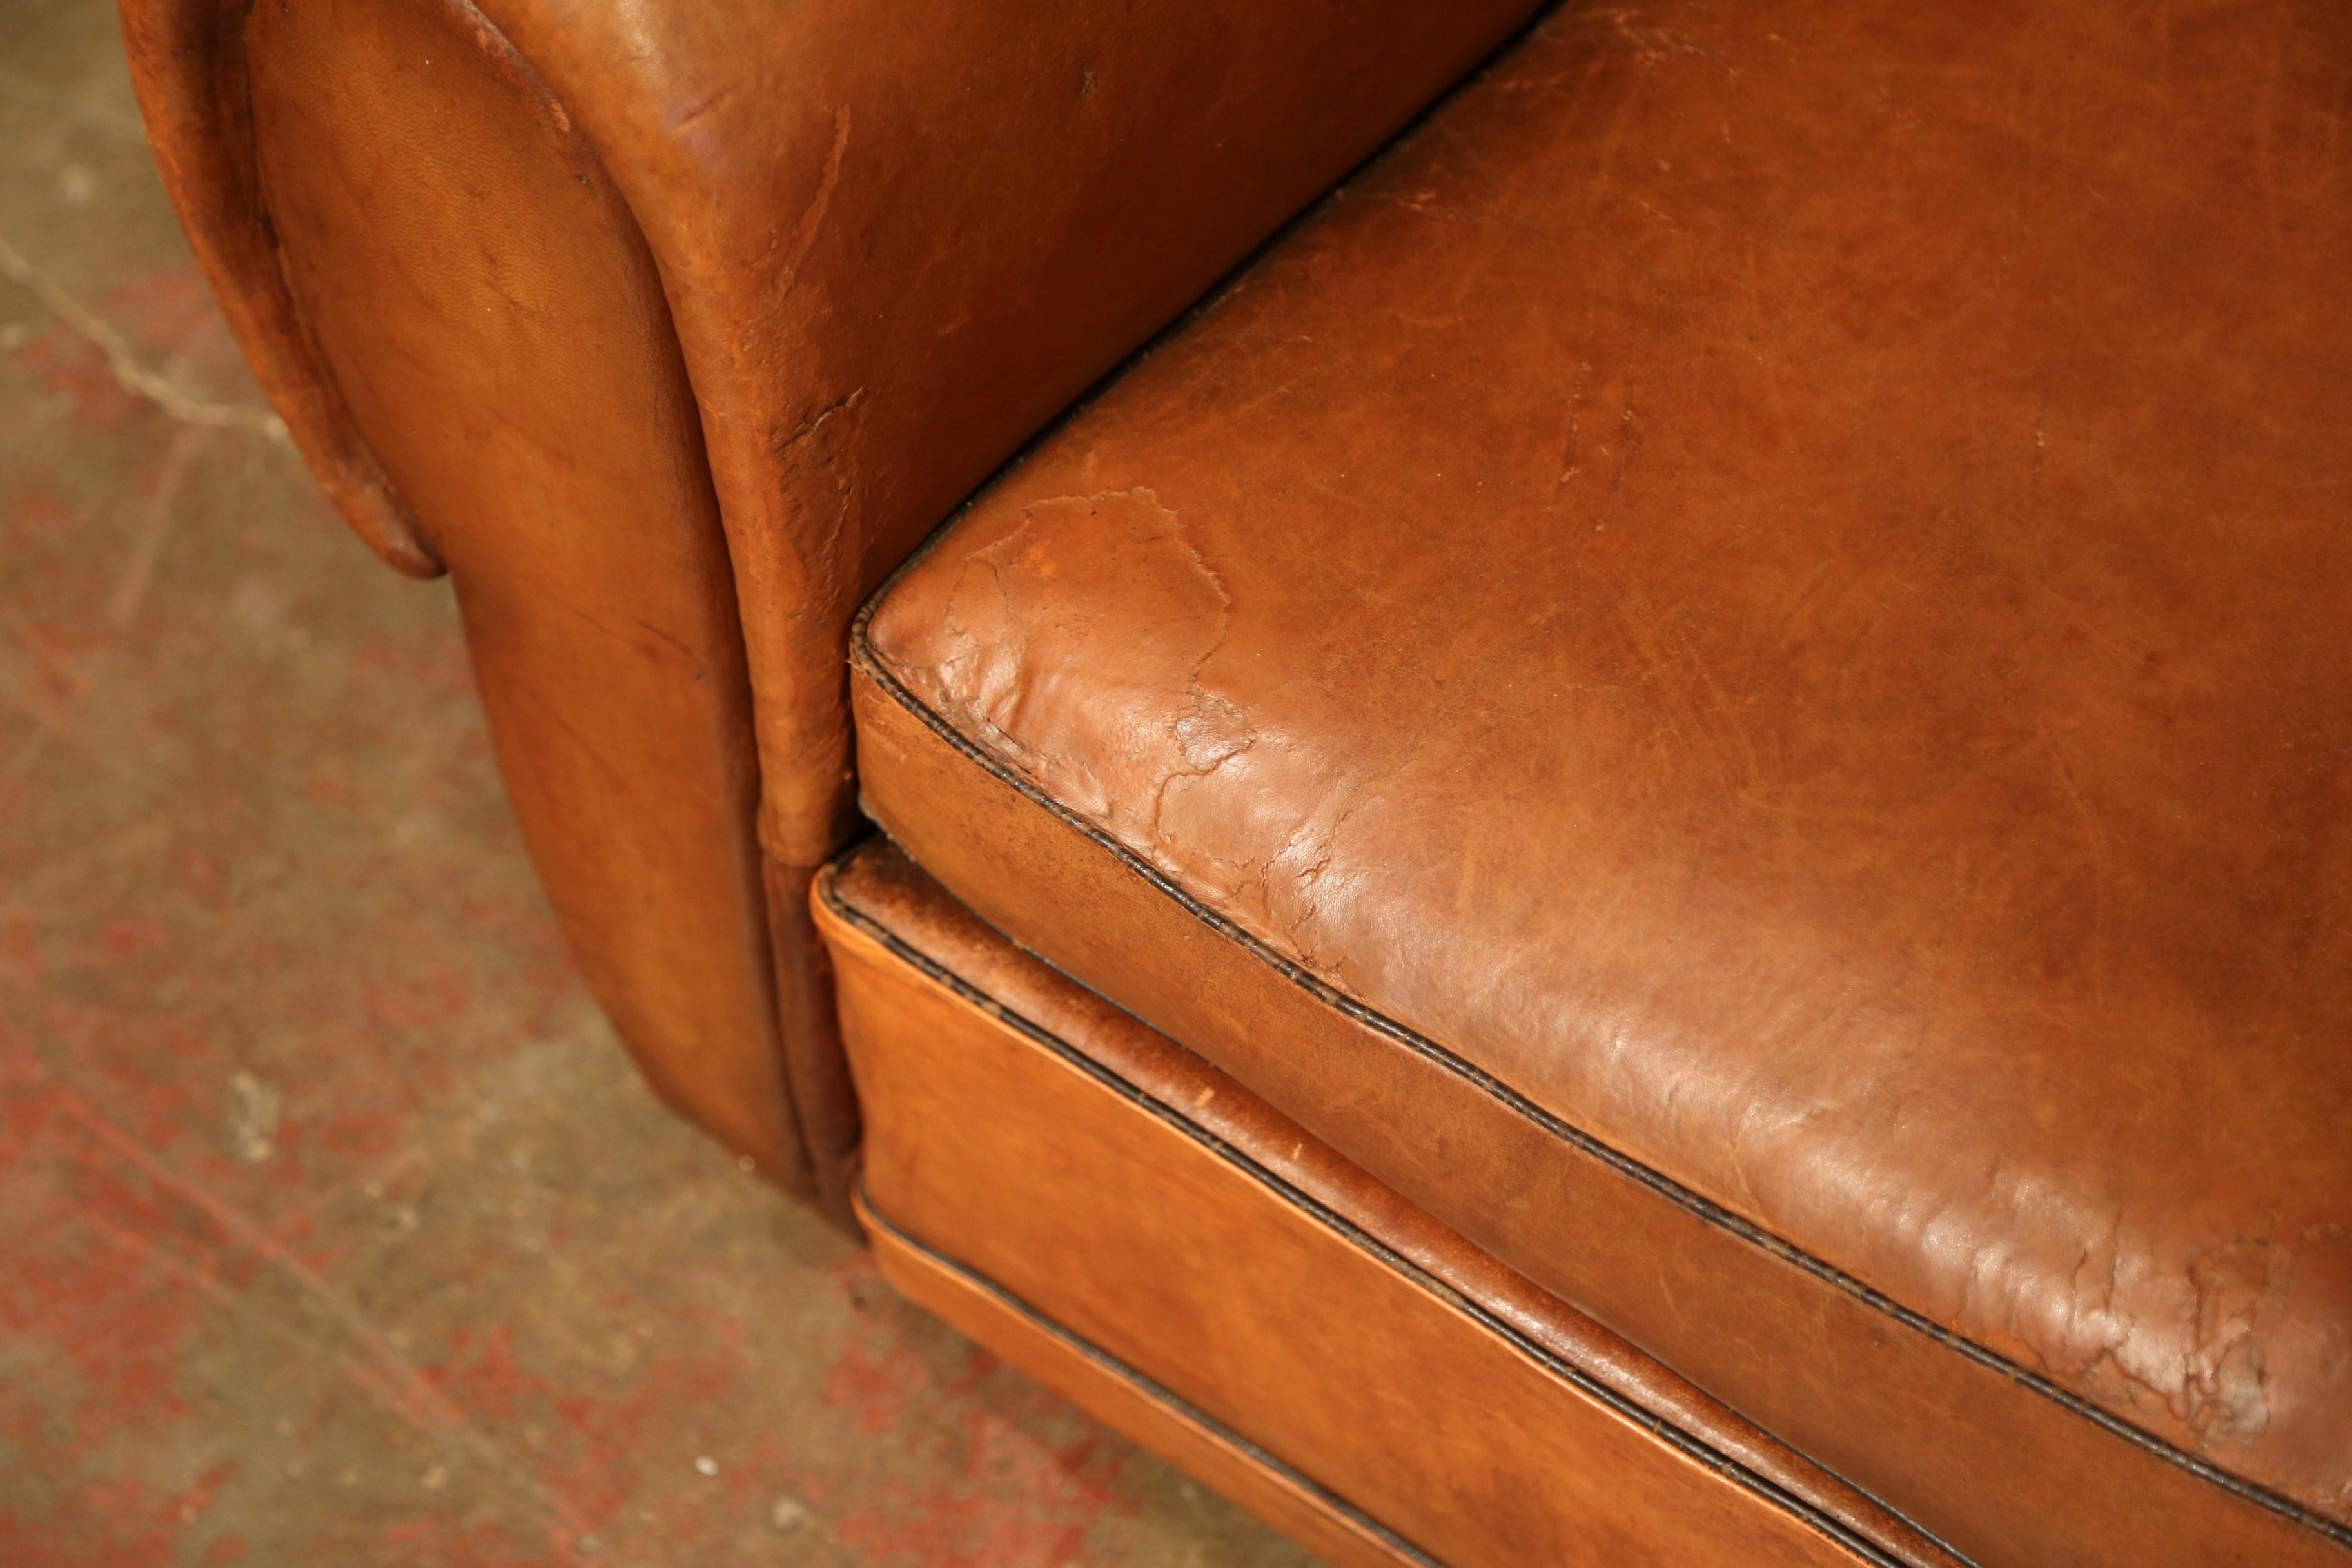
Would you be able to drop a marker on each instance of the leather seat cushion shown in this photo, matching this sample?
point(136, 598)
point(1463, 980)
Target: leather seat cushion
point(1731, 671)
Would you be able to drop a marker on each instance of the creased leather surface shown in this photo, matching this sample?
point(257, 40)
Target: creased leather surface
point(896, 239)
point(993, 1151)
point(1777, 581)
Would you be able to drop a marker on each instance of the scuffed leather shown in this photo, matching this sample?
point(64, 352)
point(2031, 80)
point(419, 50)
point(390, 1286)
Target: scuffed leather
point(495, 334)
point(920, 1047)
point(1778, 582)
point(897, 239)
point(893, 240)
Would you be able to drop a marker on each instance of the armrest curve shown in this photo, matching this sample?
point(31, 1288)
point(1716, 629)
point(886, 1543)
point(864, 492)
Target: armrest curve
point(898, 236)
point(891, 240)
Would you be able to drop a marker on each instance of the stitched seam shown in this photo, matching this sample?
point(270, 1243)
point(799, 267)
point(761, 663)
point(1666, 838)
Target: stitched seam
point(1687, 1443)
point(870, 663)
point(1104, 1361)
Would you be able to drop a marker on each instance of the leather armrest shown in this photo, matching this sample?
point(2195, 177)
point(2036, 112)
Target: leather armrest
point(897, 237)
point(549, 290)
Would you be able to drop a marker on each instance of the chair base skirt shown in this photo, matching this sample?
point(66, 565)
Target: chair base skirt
point(1107, 1210)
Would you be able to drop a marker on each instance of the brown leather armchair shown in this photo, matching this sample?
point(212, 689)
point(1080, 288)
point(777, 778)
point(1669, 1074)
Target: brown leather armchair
point(1643, 854)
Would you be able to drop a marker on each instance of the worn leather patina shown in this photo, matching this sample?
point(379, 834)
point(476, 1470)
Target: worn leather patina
point(891, 242)
point(1725, 679)
point(1037, 1156)
point(1731, 672)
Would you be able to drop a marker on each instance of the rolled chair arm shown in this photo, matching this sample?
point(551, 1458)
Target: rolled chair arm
point(671, 329)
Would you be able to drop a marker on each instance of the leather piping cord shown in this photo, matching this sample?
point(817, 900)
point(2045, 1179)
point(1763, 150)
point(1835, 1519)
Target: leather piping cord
point(1689, 1444)
point(1103, 1360)
point(867, 660)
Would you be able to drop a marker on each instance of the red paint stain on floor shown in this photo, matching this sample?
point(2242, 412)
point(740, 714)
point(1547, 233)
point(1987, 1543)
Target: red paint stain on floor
point(1018, 1503)
point(72, 367)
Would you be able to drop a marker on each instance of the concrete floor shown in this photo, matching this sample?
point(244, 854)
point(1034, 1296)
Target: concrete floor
point(334, 1226)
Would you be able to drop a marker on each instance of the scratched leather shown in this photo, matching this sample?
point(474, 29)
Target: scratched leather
point(896, 240)
point(892, 241)
point(943, 1164)
point(1778, 581)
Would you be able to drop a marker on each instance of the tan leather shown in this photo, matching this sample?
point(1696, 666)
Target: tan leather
point(496, 334)
point(1731, 672)
point(895, 239)
point(187, 61)
point(1080, 1178)
point(1127, 1402)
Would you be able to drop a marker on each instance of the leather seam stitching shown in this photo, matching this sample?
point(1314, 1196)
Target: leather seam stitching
point(1150, 1389)
point(868, 662)
point(1690, 1445)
